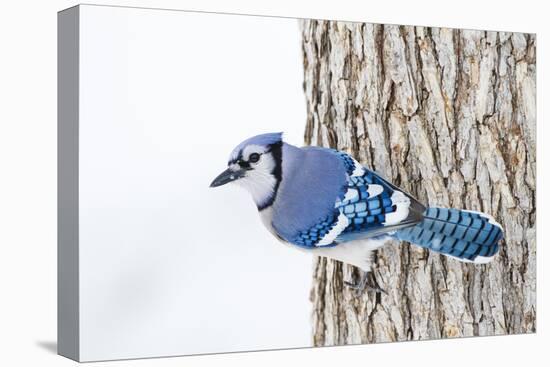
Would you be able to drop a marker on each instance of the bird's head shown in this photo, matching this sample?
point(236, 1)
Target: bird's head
point(255, 164)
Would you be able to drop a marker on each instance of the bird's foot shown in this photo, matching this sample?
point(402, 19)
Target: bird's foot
point(368, 282)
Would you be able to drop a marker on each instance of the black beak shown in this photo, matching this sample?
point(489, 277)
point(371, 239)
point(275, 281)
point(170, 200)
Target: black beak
point(227, 176)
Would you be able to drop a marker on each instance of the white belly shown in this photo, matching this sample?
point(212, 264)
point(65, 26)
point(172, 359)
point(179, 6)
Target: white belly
point(267, 215)
point(357, 253)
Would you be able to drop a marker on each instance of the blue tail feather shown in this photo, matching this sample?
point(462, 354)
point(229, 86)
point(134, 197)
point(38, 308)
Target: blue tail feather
point(465, 235)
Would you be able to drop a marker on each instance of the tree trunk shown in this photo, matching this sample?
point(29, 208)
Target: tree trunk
point(449, 116)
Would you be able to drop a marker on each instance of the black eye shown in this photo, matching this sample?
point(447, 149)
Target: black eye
point(254, 157)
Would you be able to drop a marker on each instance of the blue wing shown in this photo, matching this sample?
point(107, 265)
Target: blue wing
point(374, 207)
point(370, 206)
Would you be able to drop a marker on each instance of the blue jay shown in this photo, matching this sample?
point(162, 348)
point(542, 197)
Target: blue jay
point(323, 201)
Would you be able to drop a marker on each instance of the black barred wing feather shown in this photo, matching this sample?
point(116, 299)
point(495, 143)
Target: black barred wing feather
point(370, 207)
point(374, 207)
point(316, 235)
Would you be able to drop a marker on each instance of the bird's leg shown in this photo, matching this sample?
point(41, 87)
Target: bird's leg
point(368, 282)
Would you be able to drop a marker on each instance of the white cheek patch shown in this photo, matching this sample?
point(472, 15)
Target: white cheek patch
point(338, 228)
point(265, 165)
point(402, 203)
point(259, 181)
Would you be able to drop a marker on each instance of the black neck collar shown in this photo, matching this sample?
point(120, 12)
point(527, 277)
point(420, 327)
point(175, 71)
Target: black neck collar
point(277, 154)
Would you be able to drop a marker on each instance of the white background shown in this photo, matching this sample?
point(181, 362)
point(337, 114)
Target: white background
point(168, 265)
point(28, 183)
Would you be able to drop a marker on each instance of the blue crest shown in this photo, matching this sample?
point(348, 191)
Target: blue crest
point(262, 140)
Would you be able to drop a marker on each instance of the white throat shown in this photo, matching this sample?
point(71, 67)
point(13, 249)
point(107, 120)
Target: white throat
point(260, 186)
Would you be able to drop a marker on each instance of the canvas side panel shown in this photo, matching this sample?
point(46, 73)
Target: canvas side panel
point(67, 183)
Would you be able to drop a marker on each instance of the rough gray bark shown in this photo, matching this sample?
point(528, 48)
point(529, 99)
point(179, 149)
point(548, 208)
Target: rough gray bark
point(448, 115)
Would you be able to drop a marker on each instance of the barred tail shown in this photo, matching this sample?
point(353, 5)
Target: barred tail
point(466, 235)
